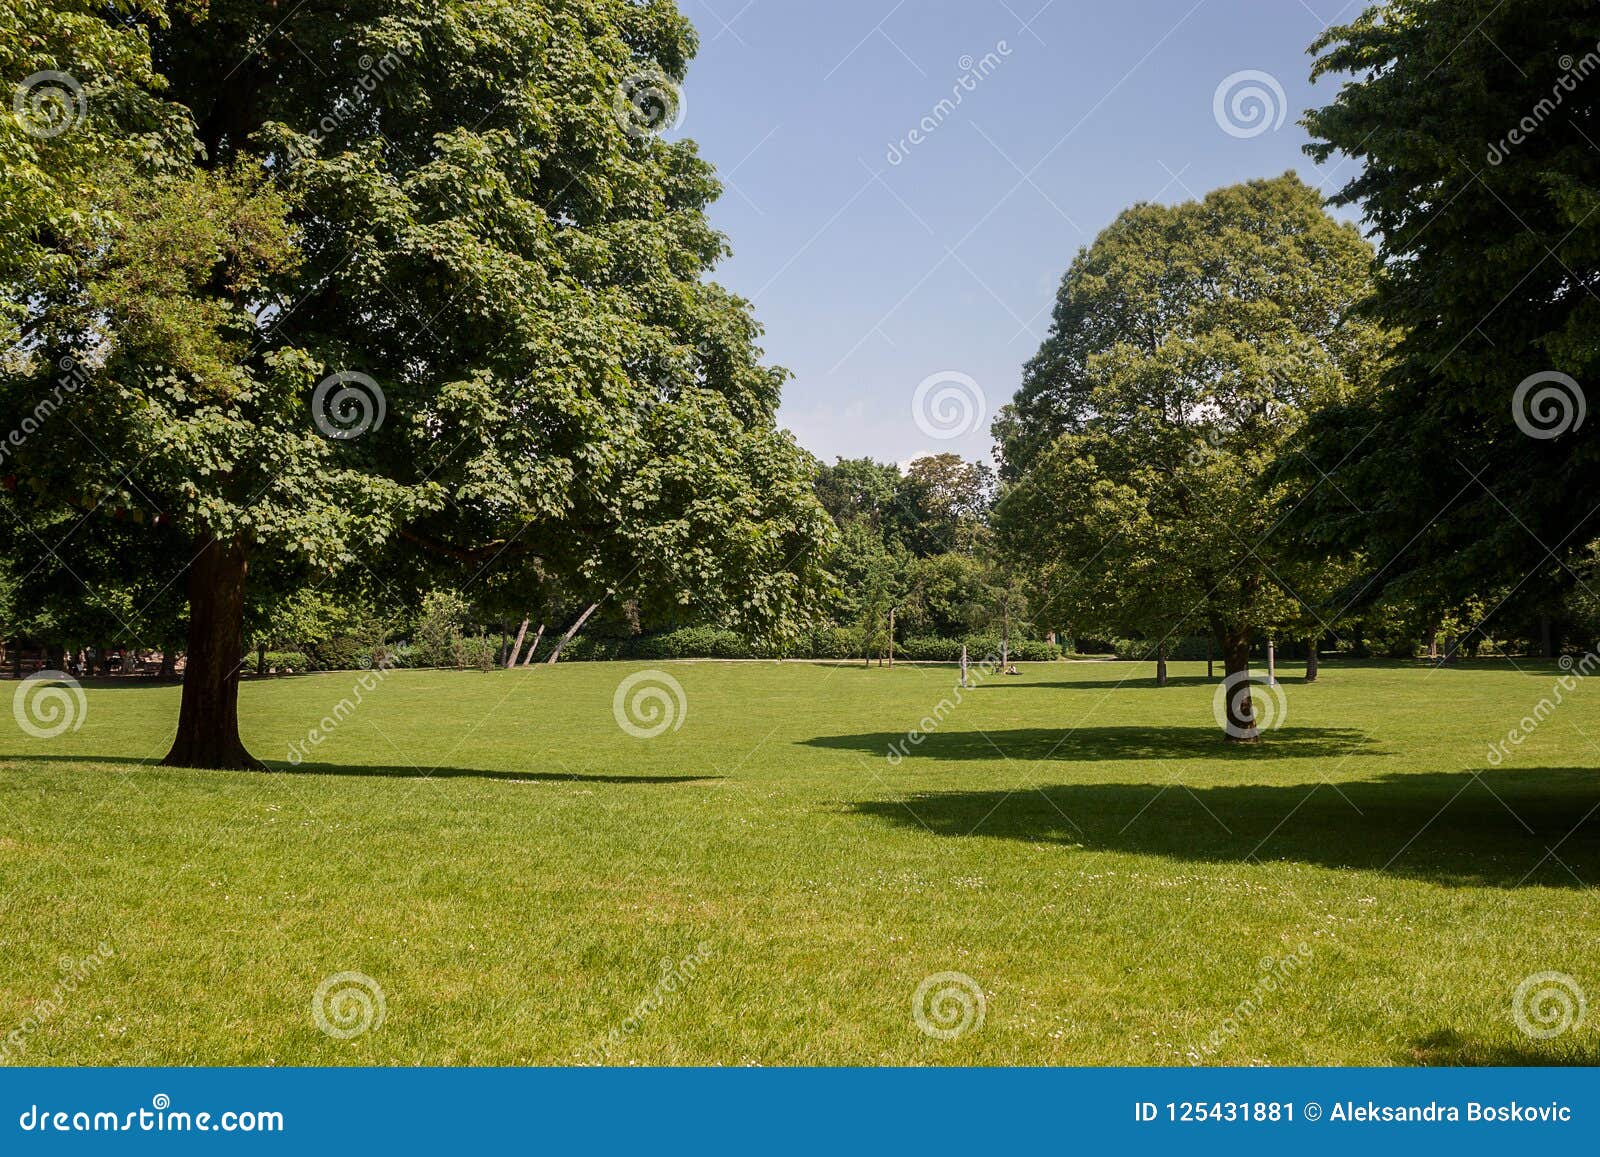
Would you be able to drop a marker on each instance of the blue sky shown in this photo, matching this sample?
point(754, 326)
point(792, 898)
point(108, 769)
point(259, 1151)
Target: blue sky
point(872, 277)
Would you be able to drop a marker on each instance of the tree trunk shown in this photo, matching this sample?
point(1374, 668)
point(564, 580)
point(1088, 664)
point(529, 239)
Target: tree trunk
point(1311, 658)
point(1547, 639)
point(891, 638)
point(1161, 664)
point(208, 721)
point(1211, 662)
point(169, 660)
point(516, 648)
point(572, 630)
point(261, 659)
point(533, 647)
point(1241, 711)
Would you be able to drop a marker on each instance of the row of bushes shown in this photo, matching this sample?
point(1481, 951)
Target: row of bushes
point(485, 652)
point(1186, 648)
point(949, 650)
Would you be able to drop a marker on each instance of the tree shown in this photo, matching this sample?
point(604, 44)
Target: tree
point(944, 501)
point(78, 85)
point(428, 288)
point(1187, 345)
point(1473, 129)
point(860, 487)
point(948, 595)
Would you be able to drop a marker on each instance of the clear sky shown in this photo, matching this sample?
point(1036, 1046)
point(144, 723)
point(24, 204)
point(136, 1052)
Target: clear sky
point(871, 274)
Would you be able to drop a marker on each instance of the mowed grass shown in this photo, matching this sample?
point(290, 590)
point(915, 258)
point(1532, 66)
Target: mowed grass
point(512, 868)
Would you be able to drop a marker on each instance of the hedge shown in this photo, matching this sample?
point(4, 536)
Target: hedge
point(1189, 648)
point(683, 643)
point(932, 650)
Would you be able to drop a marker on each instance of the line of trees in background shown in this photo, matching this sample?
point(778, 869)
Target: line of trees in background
point(1245, 421)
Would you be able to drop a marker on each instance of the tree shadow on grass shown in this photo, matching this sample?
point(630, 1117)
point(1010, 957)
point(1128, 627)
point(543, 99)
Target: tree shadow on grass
point(1448, 1048)
point(1535, 827)
point(277, 767)
point(1100, 743)
point(1146, 682)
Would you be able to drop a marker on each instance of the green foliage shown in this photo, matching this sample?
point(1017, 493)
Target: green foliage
point(284, 662)
point(979, 647)
point(79, 100)
point(438, 640)
point(1188, 344)
point(1470, 132)
point(440, 197)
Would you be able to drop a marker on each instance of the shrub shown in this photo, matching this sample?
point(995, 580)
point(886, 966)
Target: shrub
point(280, 661)
point(438, 641)
point(340, 653)
point(388, 655)
point(1188, 647)
point(829, 643)
point(932, 650)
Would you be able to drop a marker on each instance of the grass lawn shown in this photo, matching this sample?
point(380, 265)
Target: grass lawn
point(512, 869)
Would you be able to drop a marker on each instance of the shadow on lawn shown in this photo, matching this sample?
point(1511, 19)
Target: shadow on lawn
point(278, 767)
point(1129, 682)
point(1535, 827)
point(478, 773)
point(1449, 1048)
point(1099, 743)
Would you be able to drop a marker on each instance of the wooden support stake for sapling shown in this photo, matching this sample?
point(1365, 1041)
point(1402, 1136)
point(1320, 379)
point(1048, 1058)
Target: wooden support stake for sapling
point(571, 631)
point(516, 648)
